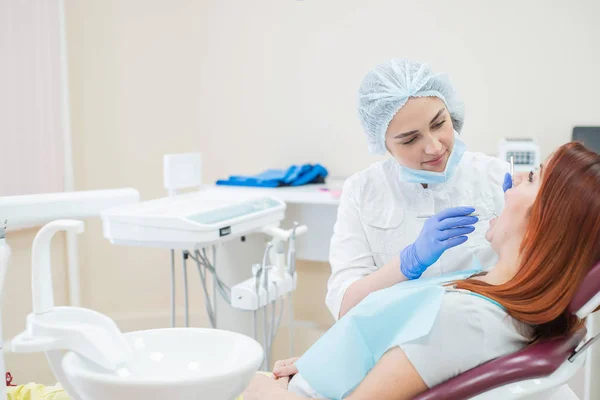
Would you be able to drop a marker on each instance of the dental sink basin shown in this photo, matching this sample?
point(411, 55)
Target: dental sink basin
point(172, 364)
point(94, 360)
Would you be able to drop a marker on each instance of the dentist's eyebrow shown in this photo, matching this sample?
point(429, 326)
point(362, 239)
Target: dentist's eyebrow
point(405, 134)
point(440, 111)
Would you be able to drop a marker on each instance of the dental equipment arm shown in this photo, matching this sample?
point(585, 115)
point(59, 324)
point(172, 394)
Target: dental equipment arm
point(265, 268)
point(52, 329)
point(292, 250)
point(291, 262)
point(278, 233)
point(43, 297)
point(256, 274)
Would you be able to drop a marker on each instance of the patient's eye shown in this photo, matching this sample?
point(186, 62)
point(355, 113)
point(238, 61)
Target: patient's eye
point(530, 176)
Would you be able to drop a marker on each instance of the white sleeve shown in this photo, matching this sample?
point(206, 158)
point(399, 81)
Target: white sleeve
point(496, 171)
point(350, 255)
point(454, 345)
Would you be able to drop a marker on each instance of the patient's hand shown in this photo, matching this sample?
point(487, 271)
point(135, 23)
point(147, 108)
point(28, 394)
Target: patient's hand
point(262, 387)
point(285, 368)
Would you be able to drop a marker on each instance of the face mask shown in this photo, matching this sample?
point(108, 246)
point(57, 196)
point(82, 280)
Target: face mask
point(429, 177)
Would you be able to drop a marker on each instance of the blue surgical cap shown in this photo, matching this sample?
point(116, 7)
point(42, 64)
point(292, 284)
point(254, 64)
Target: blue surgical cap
point(387, 87)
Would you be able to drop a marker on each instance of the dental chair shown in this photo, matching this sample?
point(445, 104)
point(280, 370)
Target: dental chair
point(538, 372)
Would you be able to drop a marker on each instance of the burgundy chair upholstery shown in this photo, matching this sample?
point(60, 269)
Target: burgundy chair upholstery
point(535, 361)
point(589, 288)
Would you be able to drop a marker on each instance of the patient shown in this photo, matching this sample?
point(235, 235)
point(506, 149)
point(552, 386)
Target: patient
point(547, 239)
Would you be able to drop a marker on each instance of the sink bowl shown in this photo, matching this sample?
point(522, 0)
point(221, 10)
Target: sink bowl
point(191, 363)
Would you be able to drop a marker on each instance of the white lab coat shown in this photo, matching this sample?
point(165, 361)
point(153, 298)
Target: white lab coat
point(377, 218)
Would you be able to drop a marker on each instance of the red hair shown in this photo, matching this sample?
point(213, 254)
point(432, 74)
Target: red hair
point(561, 244)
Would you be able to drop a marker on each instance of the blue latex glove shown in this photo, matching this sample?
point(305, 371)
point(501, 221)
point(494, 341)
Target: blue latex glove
point(440, 233)
point(507, 182)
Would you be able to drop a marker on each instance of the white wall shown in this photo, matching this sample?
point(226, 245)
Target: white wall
point(31, 134)
point(256, 84)
point(31, 154)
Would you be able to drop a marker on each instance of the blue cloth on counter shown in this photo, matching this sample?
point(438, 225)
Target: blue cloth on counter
point(295, 175)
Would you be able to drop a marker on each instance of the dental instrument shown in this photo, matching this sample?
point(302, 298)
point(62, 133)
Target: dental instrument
point(280, 259)
point(256, 274)
point(292, 250)
point(270, 284)
point(5, 253)
point(512, 165)
point(425, 216)
point(512, 170)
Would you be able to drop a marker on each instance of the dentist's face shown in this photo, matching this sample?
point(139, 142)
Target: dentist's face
point(421, 135)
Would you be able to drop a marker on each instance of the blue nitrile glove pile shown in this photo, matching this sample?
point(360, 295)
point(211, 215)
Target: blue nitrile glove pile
point(295, 175)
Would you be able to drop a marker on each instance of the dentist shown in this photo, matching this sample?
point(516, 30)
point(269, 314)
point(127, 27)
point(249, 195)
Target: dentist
point(381, 236)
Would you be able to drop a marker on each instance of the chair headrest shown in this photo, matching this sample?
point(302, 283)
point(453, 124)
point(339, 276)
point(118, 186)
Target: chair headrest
point(587, 298)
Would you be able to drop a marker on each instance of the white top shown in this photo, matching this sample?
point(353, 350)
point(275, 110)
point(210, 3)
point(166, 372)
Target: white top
point(377, 218)
point(468, 331)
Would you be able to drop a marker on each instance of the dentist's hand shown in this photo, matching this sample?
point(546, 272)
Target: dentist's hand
point(515, 180)
point(440, 233)
point(507, 182)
